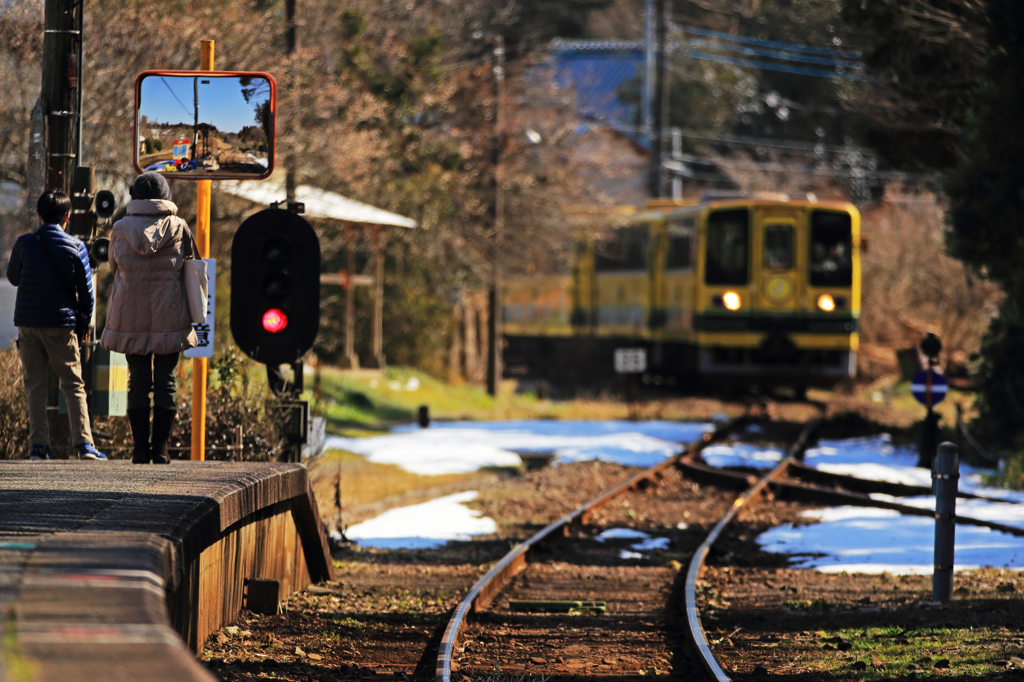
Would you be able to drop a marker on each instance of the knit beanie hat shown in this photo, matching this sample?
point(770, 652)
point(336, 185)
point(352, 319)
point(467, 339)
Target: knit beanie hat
point(151, 186)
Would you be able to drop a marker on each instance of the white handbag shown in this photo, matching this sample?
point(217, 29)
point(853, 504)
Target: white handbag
point(196, 282)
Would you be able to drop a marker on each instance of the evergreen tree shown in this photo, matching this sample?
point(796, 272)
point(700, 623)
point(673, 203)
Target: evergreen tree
point(950, 91)
point(986, 198)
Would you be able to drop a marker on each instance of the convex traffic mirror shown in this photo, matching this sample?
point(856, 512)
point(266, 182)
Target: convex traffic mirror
point(205, 125)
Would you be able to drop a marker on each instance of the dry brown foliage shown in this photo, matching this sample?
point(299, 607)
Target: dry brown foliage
point(912, 287)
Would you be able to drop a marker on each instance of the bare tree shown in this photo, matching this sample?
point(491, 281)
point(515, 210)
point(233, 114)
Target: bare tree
point(912, 287)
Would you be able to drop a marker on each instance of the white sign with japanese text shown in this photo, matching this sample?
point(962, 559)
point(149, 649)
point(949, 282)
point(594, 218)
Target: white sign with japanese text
point(204, 332)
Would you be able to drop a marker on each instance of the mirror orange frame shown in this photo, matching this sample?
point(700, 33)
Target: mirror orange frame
point(234, 138)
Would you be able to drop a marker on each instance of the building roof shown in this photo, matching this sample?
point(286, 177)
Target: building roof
point(319, 203)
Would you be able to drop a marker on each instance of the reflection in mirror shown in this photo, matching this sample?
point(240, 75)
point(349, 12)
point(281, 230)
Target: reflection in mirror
point(205, 126)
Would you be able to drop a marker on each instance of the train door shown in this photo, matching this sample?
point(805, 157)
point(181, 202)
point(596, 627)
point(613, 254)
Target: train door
point(678, 279)
point(582, 318)
point(777, 260)
point(621, 277)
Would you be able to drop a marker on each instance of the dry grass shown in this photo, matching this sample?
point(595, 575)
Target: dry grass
point(13, 413)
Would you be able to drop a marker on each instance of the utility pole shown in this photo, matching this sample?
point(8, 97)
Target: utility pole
point(62, 32)
point(290, 181)
point(494, 295)
point(195, 116)
point(204, 198)
point(648, 93)
point(62, 35)
point(657, 182)
point(677, 156)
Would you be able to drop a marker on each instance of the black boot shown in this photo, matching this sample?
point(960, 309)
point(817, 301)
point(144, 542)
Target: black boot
point(139, 420)
point(163, 421)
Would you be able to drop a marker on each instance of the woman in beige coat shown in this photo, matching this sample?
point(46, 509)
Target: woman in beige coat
point(147, 312)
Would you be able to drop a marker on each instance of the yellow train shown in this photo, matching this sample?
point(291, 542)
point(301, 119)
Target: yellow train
point(741, 291)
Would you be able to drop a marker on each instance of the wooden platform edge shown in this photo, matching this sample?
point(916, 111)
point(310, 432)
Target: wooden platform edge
point(109, 602)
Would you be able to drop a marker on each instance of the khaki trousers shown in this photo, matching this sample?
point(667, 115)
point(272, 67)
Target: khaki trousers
point(41, 348)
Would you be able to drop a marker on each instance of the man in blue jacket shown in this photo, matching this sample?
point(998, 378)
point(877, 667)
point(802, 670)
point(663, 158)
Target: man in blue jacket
point(52, 310)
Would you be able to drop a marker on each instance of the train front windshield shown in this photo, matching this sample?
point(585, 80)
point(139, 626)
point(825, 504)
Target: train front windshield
point(728, 247)
point(831, 249)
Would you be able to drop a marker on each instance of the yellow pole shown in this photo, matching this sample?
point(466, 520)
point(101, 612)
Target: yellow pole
point(203, 188)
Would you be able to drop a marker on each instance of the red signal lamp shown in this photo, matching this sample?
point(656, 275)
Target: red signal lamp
point(274, 320)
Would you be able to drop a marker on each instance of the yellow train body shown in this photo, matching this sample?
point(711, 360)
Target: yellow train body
point(764, 290)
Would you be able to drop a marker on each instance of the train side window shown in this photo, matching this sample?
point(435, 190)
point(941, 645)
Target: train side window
point(778, 247)
point(625, 251)
point(831, 249)
point(678, 253)
point(728, 247)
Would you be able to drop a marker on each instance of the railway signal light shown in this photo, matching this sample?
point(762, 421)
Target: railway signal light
point(275, 287)
point(274, 320)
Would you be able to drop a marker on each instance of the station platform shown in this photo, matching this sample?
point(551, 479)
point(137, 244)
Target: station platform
point(116, 571)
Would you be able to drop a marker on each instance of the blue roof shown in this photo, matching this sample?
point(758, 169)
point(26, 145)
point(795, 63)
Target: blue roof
point(595, 73)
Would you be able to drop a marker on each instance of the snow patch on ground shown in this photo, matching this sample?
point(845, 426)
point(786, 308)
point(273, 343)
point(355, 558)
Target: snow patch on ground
point(742, 455)
point(463, 447)
point(867, 540)
point(646, 542)
point(423, 526)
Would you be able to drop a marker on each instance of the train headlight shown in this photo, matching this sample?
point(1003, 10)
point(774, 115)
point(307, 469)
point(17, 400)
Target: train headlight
point(826, 303)
point(731, 300)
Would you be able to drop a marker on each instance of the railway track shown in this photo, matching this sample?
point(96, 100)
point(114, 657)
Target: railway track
point(579, 612)
point(537, 612)
point(637, 624)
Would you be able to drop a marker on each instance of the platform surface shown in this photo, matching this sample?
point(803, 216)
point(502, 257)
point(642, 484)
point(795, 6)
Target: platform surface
point(68, 527)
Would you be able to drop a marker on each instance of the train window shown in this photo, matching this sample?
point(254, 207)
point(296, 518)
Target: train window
point(728, 247)
point(626, 250)
point(778, 247)
point(831, 249)
point(678, 253)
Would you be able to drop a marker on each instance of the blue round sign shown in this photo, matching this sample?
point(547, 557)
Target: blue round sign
point(919, 387)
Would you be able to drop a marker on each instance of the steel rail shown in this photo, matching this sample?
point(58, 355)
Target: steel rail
point(812, 492)
point(697, 562)
point(804, 472)
point(483, 592)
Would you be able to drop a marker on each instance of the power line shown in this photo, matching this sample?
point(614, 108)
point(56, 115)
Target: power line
point(790, 104)
point(683, 47)
point(637, 46)
point(773, 167)
point(839, 73)
point(745, 141)
point(774, 54)
point(164, 81)
point(780, 144)
point(770, 43)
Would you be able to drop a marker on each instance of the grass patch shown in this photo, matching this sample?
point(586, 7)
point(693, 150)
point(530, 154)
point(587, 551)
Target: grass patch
point(343, 620)
point(366, 401)
point(897, 652)
point(818, 604)
point(19, 667)
point(411, 601)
